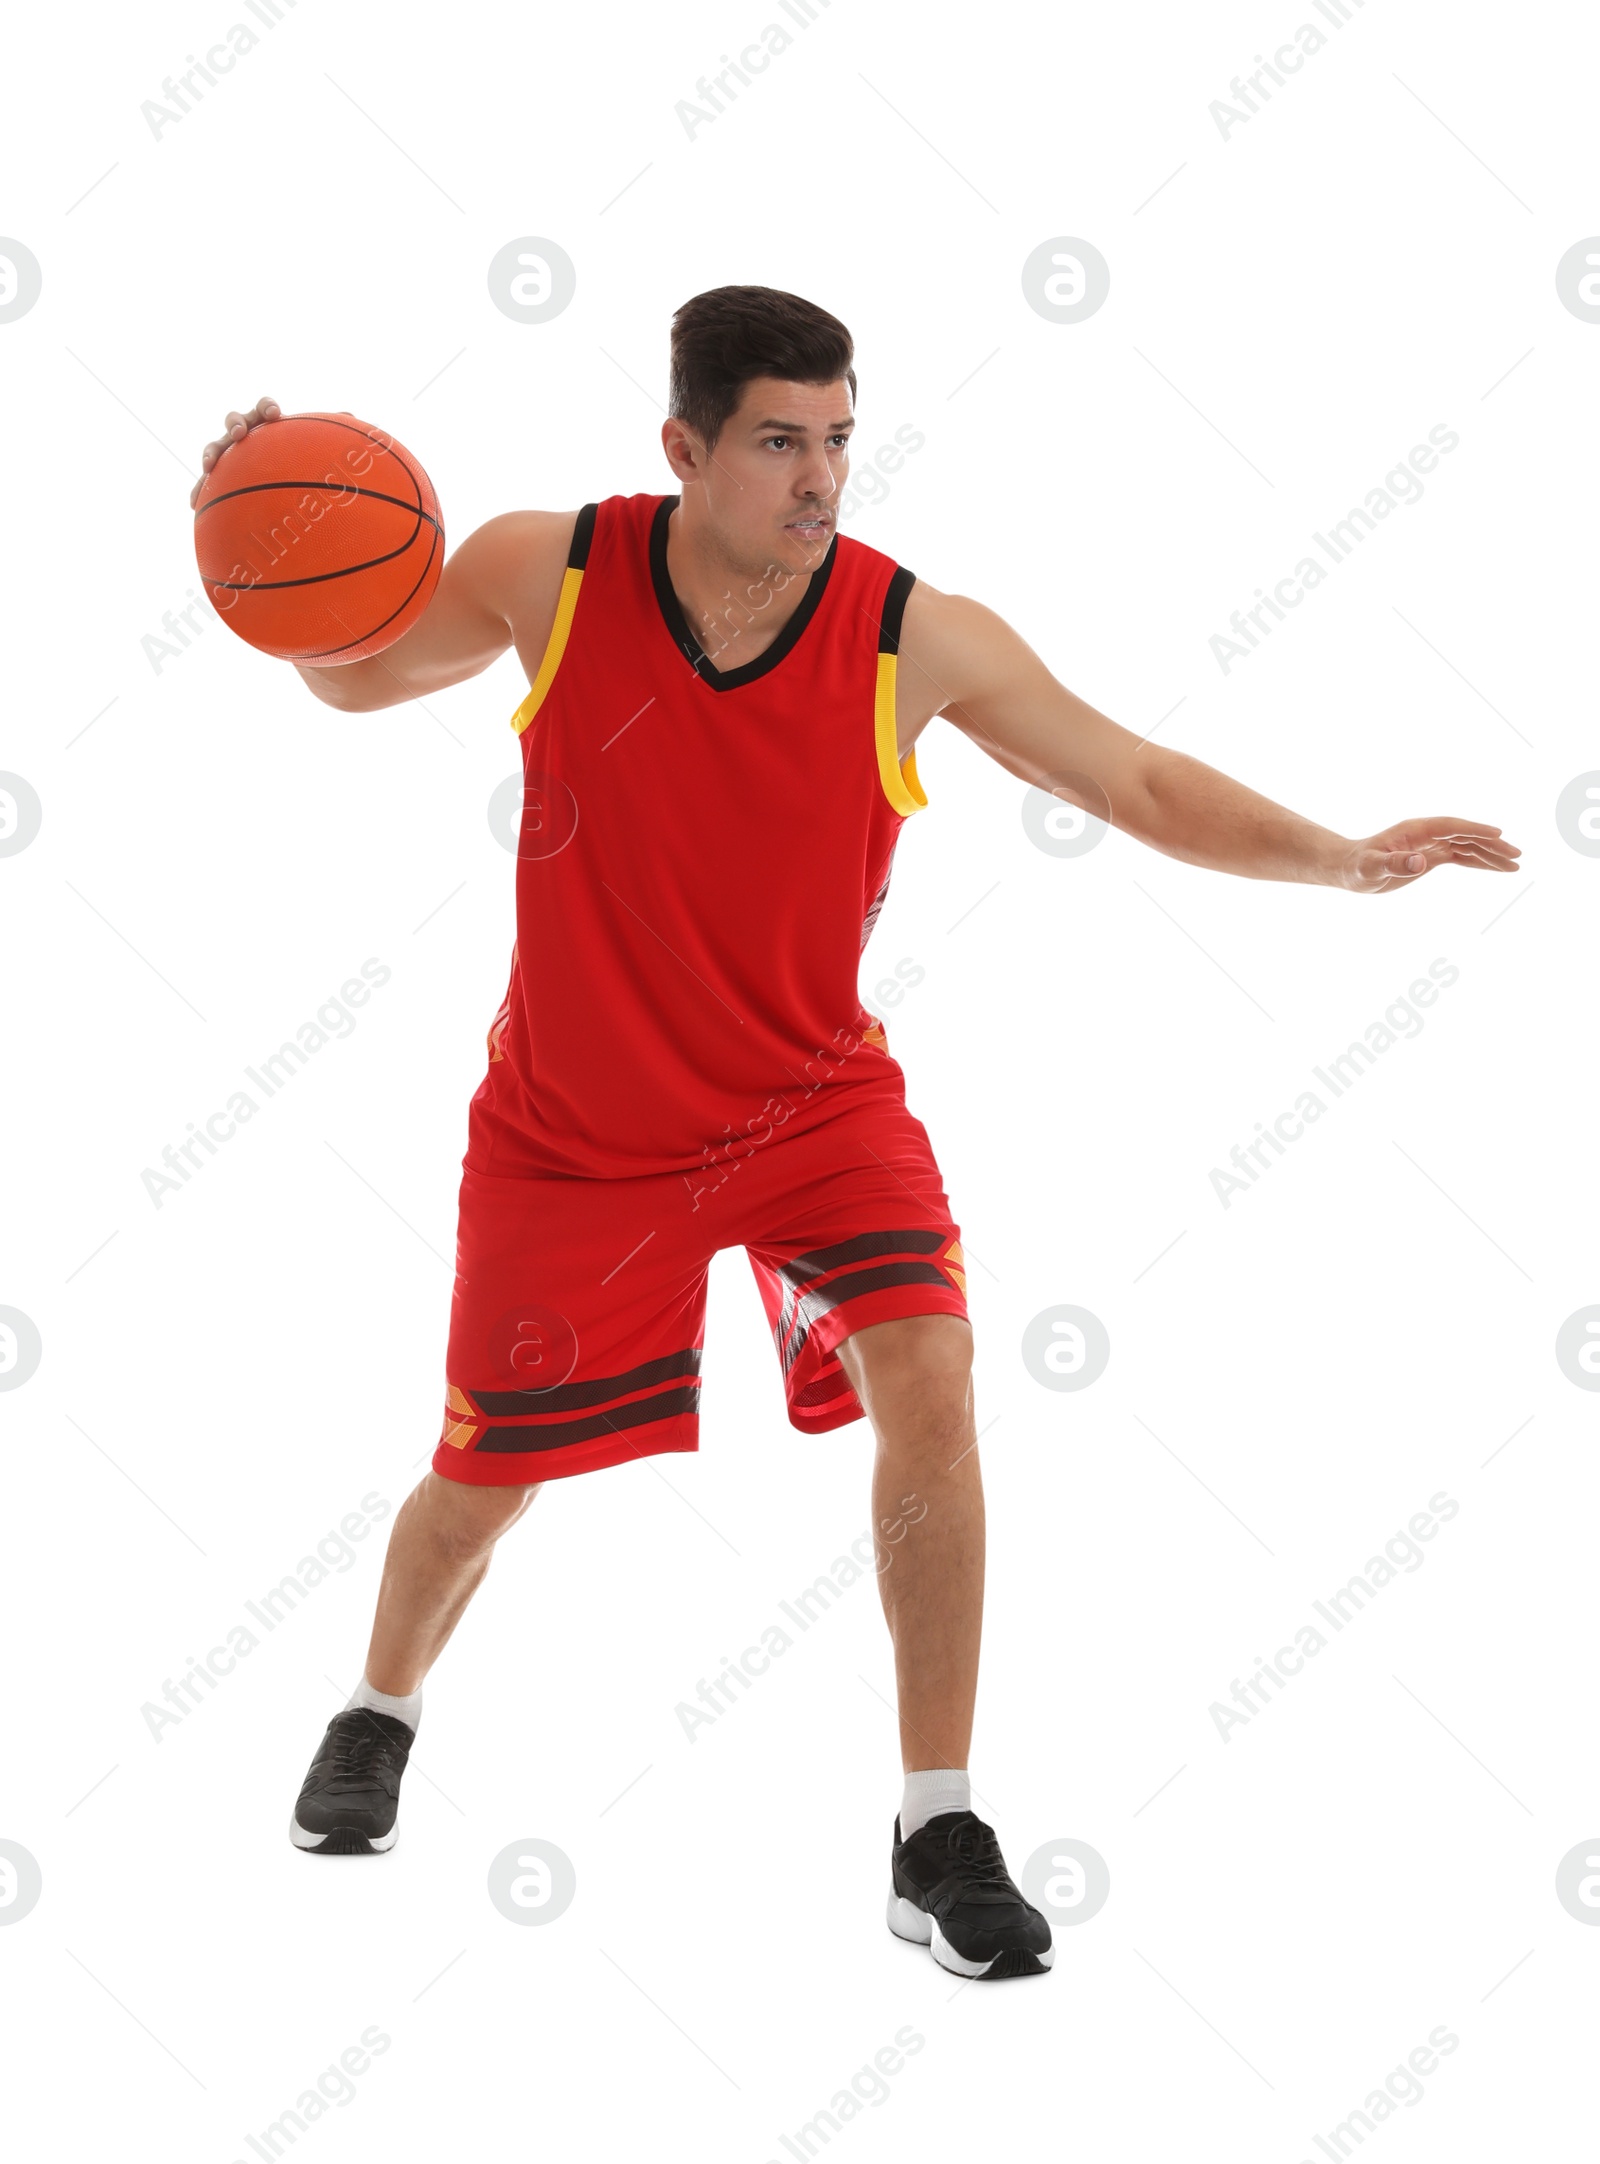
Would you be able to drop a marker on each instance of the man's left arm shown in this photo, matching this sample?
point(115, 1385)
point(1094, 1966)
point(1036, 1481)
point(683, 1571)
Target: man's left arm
point(959, 658)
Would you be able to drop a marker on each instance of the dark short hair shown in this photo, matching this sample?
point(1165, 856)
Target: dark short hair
point(724, 338)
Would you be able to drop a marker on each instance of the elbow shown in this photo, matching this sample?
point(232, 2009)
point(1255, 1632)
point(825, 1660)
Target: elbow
point(341, 688)
point(1159, 804)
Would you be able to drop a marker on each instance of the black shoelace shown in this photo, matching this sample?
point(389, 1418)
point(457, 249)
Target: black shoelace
point(976, 1845)
point(362, 1755)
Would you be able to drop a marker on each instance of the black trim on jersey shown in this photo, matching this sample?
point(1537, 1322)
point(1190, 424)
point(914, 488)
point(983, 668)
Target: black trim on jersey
point(582, 535)
point(894, 609)
point(684, 639)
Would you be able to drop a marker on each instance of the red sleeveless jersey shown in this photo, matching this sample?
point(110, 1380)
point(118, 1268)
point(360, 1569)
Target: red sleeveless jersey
point(702, 855)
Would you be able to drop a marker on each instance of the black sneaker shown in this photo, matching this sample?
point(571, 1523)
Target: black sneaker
point(949, 1890)
point(350, 1796)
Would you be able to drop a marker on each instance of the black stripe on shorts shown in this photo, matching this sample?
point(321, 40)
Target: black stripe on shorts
point(573, 1397)
point(800, 1272)
point(818, 1300)
point(555, 1435)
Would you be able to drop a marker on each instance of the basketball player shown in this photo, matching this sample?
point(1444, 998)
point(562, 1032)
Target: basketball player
point(719, 742)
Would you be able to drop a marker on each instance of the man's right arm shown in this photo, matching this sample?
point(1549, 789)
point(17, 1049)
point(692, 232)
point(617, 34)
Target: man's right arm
point(501, 584)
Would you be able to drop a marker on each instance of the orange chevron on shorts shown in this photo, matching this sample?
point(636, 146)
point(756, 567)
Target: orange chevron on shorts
point(461, 1420)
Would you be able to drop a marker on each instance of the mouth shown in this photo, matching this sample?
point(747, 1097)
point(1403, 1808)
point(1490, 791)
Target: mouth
point(810, 528)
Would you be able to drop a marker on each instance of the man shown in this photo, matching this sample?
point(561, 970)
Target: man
point(719, 752)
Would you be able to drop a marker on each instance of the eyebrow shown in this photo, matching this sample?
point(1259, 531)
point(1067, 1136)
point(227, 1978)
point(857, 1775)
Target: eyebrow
point(798, 428)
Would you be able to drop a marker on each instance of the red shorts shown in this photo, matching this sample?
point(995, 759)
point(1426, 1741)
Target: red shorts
point(578, 1319)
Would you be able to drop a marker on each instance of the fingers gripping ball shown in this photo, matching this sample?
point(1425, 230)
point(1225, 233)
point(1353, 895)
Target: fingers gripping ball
point(318, 538)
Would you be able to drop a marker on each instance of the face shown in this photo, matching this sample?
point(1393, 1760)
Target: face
point(771, 485)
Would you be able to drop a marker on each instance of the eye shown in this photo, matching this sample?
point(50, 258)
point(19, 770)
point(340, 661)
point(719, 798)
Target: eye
point(773, 442)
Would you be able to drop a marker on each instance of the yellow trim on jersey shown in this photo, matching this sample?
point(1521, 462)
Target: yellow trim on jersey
point(554, 649)
point(898, 776)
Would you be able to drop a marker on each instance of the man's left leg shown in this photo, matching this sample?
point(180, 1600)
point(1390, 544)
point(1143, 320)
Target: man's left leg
point(949, 1887)
point(914, 1379)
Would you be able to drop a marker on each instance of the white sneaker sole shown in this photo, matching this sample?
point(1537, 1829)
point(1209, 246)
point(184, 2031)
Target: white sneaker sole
point(340, 1841)
point(907, 1921)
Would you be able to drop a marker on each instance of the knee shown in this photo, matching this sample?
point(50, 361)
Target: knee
point(913, 1376)
point(914, 1362)
point(910, 1350)
point(464, 1522)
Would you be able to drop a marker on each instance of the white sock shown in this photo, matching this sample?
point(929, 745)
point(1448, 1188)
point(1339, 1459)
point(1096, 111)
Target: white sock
point(408, 1710)
point(942, 1788)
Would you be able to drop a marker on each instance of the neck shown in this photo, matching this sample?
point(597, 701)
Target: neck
point(735, 606)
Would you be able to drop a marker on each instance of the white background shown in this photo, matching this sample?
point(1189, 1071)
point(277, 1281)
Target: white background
point(1373, 1855)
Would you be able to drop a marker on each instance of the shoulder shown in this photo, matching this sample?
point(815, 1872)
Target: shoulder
point(925, 612)
point(520, 545)
point(945, 617)
point(514, 565)
point(945, 624)
point(949, 637)
point(956, 642)
point(517, 563)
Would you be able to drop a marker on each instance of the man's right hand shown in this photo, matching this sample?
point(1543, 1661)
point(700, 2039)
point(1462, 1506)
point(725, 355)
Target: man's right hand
point(239, 426)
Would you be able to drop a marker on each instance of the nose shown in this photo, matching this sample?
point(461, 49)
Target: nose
point(818, 478)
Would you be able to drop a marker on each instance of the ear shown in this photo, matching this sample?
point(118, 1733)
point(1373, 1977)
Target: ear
point(685, 453)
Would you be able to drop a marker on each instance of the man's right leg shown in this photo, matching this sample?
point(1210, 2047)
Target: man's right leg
point(575, 1339)
point(439, 1551)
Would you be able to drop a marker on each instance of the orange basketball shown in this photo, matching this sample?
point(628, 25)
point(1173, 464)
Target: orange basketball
point(318, 538)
